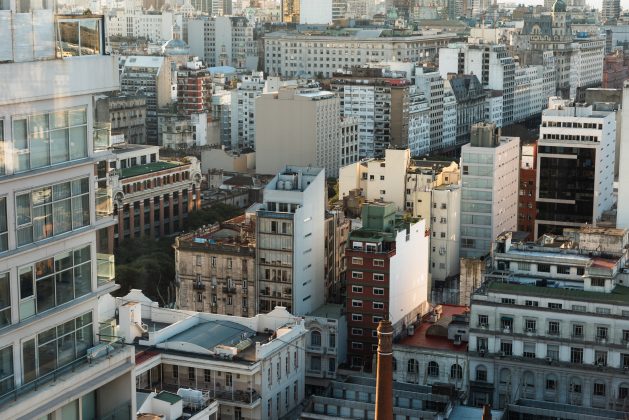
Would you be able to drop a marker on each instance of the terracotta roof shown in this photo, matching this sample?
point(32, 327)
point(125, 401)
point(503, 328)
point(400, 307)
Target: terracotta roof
point(422, 339)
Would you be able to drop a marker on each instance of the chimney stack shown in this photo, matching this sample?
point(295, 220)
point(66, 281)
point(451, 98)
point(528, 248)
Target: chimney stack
point(384, 375)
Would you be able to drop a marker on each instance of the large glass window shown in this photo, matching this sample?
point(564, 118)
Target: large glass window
point(54, 281)
point(52, 210)
point(57, 347)
point(79, 37)
point(5, 299)
point(6, 370)
point(4, 232)
point(42, 140)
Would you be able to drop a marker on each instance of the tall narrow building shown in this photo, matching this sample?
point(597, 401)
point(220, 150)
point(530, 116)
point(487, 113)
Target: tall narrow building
point(54, 207)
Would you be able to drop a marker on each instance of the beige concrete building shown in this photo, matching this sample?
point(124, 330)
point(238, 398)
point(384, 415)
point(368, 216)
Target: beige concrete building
point(300, 126)
point(337, 229)
point(127, 115)
point(215, 268)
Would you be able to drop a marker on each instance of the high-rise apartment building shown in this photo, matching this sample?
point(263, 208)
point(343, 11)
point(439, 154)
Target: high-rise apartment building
point(223, 41)
point(610, 12)
point(54, 205)
point(154, 78)
point(575, 165)
point(304, 124)
point(290, 240)
point(527, 205)
point(290, 11)
point(194, 90)
point(489, 193)
point(387, 277)
point(243, 112)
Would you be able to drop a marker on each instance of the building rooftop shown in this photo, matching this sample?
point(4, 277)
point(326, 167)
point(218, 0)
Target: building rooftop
point(147, 168)
point(233, 235)
point(127, 147)
point(144, 61)
point(329, 310)
point(210, 334)
point(434, 335)
point(168, 397)
point(620, 294)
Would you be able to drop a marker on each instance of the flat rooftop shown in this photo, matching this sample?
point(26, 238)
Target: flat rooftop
point(147, 169)
point(620, 294)
point(425, 335)
point(329, 310)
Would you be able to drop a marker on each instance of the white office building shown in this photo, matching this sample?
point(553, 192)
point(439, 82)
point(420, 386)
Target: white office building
point(53, 208)
point(154, 26)
point(315, 12)
point(290, 241)
point(489, 193)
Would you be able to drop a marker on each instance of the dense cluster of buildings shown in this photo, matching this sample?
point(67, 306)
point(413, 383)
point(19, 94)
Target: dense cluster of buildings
point(433, 191)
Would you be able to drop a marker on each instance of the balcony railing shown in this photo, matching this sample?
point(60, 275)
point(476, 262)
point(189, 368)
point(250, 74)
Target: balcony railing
point(106, 271)
point(104, 350)
point(102, 136)
point(104, 203)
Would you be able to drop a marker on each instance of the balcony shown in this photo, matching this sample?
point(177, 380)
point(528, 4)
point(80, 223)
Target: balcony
point(102, 136)
point(106, 271)
point(104, 203)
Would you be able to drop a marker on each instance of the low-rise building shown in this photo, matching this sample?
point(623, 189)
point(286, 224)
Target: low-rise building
point(549, 328)
point(152, 197)
point(326, 344)
point(254, 367)
point(434, 350)
point(215, 268)
point(126, 114)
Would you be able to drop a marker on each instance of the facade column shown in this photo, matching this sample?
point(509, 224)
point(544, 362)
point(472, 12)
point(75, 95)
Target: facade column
point(132, 220)
point(121, 224)
point(110, 239)
point(152, 216)
point(190, 202)
point(161, 216)
point(142, 222)
point(171, 213)
point(197, 203)
point(180, 205)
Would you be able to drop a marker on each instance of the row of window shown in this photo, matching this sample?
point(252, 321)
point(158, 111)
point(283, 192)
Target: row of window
point(358, 275)
point(359, 317)
point(375, 262)
point(375, 290)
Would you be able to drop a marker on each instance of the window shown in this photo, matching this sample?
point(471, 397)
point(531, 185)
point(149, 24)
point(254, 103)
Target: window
point(378, 277)
point(376, 319)
point(54, 281)
point(524, 266)
point(357, 331)
point(357, 289)
point(207, 375)
point(624, 360)
point(315, 339)
point(625, 336)
point(603, 311)
point(506, 347)
point(576, 355)
point(357, 345)
point(551, 383)
point(42, 140)
point(332, 340)
point(213, 262)
point(533, 303)
point(412, 366)
point(601, 333)
point(7, 381)
point(5, 302)
point(287, 364)
point(553, 305)
point(378, 305)
point(506, 323)
point(433, 369)
point(357, 303)
point(175, 371)
point(599, 389)
point(357, 317)
point(4, 232)
point(577, 331)
point(378, 291)
point(295, 391)
point(600, 358)
point(563, 269)
point(580, 271)
point(296, 360)
point(543, 268)
point(57, 347)
point(270, 374)
point(456, 372)
point(598, 282)
point(508, 301)
point(191, 374)
point(52, 210)
point(79, 37)
point(483, 320)
point(199, 260)
point(529, 350)
point(378, 263)
point(278, 365)
point(357, 261)
point(579, 308)
point(553, 328)
point(530, 325)
point(552, 351)
point(481, 374)
point(357, 275)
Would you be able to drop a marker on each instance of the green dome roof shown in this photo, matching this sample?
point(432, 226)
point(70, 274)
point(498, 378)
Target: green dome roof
point(559, 6)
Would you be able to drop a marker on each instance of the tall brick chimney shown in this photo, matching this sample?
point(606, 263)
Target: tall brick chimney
point(384, 375)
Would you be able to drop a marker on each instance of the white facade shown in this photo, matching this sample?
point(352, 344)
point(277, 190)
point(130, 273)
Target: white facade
point(622, 218)
point(349, 141)
point(308, 55)
point(138, 24)
point(315, 12)
point(302, 123)
point(294, 203)
point(445, 230)
point(586, 64)
point(243, 98)
point(489, 195)
point(449, 117)
point(326, 345)
point(52, 271)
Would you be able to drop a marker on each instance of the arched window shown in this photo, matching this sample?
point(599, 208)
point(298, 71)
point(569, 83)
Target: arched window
point(433, 369)
point(456, 372)
point(315, 339)
point(481, 373)
point(412, 366)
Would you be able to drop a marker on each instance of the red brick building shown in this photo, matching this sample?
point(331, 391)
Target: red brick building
point(527, 209)
point(615, 70)
point(194, 91)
